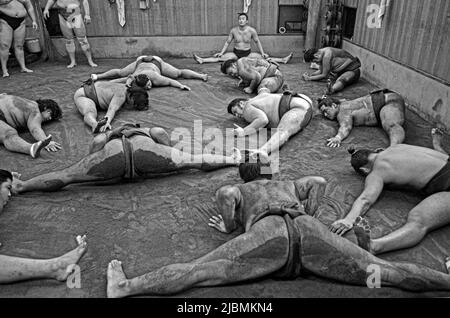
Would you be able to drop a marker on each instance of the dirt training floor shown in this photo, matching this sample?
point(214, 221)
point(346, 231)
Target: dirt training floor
point(156, 222)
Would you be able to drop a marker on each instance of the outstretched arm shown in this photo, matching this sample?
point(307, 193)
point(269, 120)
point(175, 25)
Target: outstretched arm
point(227, 43)
point(345, 127)
point(30, 9)
point(35, 126)
point(87, 11)
point(258, 43)
point(116, 103)
point(372, 189)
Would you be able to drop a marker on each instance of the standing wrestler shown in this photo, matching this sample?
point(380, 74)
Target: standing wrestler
point(380, 108)
point(12, 26)
point(72, 25)
point(160, 73)
point(242, 35)
point(262, 75)
point(339, 67)
point(18, 113)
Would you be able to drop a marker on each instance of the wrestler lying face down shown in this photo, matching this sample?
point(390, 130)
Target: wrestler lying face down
point(13, 269)
point(127, 153)
point(402, 167)
point(242, 35)
point(110, 97)
point(282, 239)
point(17, 113)
point(159, 72)
point(261, 74)
point(339, 67)
point(380, 108)
point(289, 113)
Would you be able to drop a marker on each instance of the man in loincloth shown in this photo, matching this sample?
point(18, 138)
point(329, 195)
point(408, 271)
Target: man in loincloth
point(289, 113)
point(13, 269)
point(282, 239)
point(401, 167)
point(72, 25)
point(127, 153)
point(13, 30)
point(242, 35)
point(380, 108)
point(159, 72)
point(339, 67)
point(17, 113)
point(93, 96)
point(261, 74)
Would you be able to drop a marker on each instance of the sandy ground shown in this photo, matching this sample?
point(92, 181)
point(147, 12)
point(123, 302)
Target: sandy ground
point(160, 221)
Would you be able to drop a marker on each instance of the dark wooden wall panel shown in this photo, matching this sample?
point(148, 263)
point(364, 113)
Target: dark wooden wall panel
point(414, 32)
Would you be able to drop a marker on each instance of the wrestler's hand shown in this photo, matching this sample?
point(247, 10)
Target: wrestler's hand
point(341, 227)
point(218, 55)
point(334, 142)
point(248, 90)
point(17, 184)
point(239, 131)
point(34, 25)
point(87, 19)
point(105, 128)
point(53, 146)
point(306, 77)
point(264, 55)
point(217, 223)
point(46, 14)
point(185, 88)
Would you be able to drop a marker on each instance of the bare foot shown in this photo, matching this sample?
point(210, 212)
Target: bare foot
point(263, 156)
point(288, 58)
point(5, 74)
point(72, 65)
point(17, 184)
point(26, 70)
point(205, 77)
point(117, 281)
point(36, 148)
point(92, 64)
point(447, 264)
point(362, 232)
point(198, 59)
point(437, 136)
point(285, 87)
point(236, 155)
point(64, 265)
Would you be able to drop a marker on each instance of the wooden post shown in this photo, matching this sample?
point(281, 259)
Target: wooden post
point(313, 23)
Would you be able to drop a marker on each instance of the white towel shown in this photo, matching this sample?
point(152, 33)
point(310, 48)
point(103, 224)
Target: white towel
point(121, 12)
point(247, 4)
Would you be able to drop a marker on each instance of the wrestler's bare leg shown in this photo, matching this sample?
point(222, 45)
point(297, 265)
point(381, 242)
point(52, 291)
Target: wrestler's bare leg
point(116, 73)
point(437, 136)
point(13, 269)
point(431, 214)
point(291, 123)
point(174, 73)
point(6, 39)
point(330, 256)
point(19, 40)
point(104, 165)
point(87, 108)
point(12, 141)
point(393, 117)
point(279, 60)
point(69, 36)
point(341, 82)
point(80, 33)
point(223, 58)
point(260, 251)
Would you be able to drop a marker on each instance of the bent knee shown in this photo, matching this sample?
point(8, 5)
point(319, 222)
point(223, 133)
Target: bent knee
point(5, 46)
point(319, 181)
point(418, 224)
point(226, 192)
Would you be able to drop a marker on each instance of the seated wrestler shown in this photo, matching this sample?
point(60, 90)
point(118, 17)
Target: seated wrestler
point(127, 153)
point(242, 36)
point(380, 108)
point(160, 73)
point(261, 74)
point(289, 113)
point(339, 67)
point(282, 239)
point(93, 96)
point(17, 113)
point(401, 167)
point(13, 269)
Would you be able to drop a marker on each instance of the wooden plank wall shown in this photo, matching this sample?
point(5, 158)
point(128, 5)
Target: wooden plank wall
point(414, 33)
point(182, 17)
